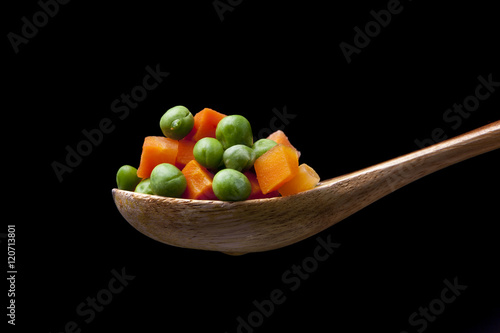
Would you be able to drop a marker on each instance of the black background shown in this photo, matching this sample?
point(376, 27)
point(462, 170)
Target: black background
point(394, 254)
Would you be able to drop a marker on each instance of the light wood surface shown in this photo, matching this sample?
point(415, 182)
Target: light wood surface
point(266, 224)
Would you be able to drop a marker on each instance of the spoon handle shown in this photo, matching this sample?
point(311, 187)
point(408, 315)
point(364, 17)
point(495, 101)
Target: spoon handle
point(375, 182)
point(415, 165)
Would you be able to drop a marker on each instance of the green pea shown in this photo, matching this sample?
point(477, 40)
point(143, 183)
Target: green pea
point(126, 178)
point(234, 130)
point(208, 152)
point(167, 180)
point(231, 185)
point(177, 122)
point(144, 187)
point(260, 147)
point(239, 157)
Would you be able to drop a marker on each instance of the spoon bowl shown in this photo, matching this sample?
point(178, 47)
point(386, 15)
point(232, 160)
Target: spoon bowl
point(267, 224)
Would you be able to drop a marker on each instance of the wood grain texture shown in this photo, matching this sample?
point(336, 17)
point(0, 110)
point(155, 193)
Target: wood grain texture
point(266, 224)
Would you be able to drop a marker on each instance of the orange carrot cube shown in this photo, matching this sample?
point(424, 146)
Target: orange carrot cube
point(205, 124)
point(185, 152)
point(256, 191)
point(198, 182)
point(156, 150)
point(305, 179)
point(280, 138)
point(276, 167)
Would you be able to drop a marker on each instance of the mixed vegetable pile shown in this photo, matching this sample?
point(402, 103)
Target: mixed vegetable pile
point(212, 156)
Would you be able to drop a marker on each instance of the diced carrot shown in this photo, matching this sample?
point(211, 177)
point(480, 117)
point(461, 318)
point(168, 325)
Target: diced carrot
point(198, 182)
point(256, 191)
point(276, 167)
point(156, 150)
point(304, 180)
point(280, 138)
point(185, 153)
point(205, 124)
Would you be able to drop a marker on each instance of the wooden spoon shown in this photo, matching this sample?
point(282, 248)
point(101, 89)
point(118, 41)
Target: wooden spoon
point(267, 224)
